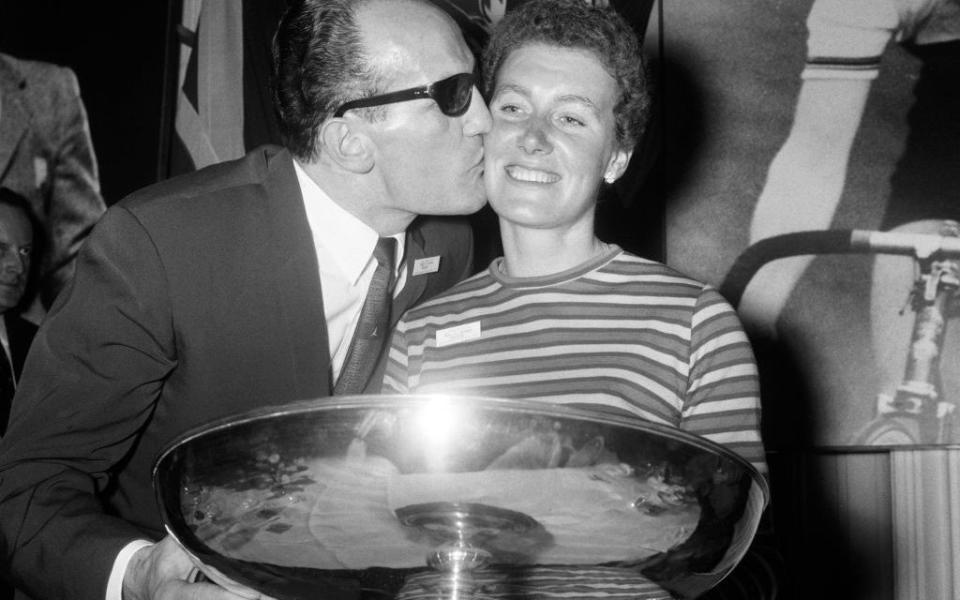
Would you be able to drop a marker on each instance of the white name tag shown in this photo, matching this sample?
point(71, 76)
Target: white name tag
point(422, 266)
point(460, 333)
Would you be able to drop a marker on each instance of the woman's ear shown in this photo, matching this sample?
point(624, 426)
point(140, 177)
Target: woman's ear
point(346, 145)
point(617, 165)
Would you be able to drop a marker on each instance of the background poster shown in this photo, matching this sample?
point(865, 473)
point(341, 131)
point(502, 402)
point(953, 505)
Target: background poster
point(731, 82)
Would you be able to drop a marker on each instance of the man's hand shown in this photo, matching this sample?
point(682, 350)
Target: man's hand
point(164, 571)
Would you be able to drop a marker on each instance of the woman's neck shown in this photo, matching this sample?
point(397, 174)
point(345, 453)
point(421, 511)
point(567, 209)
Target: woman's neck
point(538, 252)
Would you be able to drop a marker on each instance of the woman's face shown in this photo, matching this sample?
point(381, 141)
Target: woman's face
point(553, 138)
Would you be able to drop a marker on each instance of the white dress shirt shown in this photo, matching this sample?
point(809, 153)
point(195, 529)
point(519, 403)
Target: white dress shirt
point(5, 342)
point(344, 247)
point(345, 255)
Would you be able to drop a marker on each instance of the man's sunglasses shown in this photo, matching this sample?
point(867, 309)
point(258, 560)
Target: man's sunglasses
point(452, 95)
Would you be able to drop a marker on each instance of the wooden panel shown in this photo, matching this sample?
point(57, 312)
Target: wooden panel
point(926, 522)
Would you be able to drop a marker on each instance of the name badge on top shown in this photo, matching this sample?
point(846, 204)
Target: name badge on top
point(457, 334)
point(423, 266)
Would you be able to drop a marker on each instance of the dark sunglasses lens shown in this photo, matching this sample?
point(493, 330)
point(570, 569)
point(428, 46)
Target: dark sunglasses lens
point(453, 94)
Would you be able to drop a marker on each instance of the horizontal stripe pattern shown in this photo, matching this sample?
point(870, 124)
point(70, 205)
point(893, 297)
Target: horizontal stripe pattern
point(626, 333)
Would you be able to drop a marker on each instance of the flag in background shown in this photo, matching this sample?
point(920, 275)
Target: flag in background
point(222, 104)
point(209, 102)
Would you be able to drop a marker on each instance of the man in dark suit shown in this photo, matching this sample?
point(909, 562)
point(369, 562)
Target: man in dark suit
point(46, 156)
point(238, 287)
point(16, 252)
point(17, 247)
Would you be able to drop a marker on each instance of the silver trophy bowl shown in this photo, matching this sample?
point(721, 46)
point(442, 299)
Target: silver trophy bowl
point(450, 498)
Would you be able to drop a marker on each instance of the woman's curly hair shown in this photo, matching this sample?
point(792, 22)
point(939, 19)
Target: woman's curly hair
point(579, 25)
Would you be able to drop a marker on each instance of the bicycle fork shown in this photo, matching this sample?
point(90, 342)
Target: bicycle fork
point(917, 407)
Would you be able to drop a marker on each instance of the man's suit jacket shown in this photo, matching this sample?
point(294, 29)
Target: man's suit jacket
point(46, 155)
point(195, 299)
point(20, 334)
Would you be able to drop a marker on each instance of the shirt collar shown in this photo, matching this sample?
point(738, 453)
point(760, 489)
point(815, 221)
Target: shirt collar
point(348, 240)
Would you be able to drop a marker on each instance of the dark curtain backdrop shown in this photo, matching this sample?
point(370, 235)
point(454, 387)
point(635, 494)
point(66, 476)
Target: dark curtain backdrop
point(117, 50)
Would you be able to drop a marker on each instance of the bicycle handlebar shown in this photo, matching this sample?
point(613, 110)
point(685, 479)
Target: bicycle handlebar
point(920, 245)
point(831, 241)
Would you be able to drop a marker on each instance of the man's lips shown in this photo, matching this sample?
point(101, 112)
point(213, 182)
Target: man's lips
point(479, 162)
point(531, 175)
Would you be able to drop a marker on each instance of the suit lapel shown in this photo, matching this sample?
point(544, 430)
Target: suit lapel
point(298, 280)
point(415, 284)
point(13, 116)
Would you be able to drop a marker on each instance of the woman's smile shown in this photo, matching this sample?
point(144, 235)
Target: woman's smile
point(531, 175)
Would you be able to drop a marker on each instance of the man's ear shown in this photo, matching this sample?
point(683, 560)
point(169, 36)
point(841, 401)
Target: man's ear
point(617, 164)
point(346, 145)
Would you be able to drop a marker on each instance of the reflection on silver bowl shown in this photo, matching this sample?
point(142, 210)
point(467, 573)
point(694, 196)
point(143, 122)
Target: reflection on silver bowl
point(374, 495)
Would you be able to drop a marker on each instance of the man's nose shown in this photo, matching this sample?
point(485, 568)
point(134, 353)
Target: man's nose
point(13, 261)
point(477, 119)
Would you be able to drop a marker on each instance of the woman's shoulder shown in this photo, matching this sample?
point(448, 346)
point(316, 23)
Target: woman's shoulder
point(658, 278)
point(632, 264)
point(468, 291)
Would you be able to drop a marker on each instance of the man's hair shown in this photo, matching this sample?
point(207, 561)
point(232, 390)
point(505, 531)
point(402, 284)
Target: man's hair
point(20, 202)
point(579, 25)
point(319, 62)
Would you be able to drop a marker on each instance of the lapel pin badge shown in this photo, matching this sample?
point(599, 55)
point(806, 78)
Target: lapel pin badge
point(424, 266)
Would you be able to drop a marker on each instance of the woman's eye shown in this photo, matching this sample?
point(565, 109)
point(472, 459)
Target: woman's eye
point(568, 120)
point(509, 108)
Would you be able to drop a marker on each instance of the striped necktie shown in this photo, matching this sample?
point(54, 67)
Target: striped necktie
point(373, 328)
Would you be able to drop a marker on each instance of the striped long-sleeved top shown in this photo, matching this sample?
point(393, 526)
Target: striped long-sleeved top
point(620, 332)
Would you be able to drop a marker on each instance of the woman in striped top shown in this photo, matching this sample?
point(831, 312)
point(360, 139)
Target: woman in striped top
point(562, 316)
